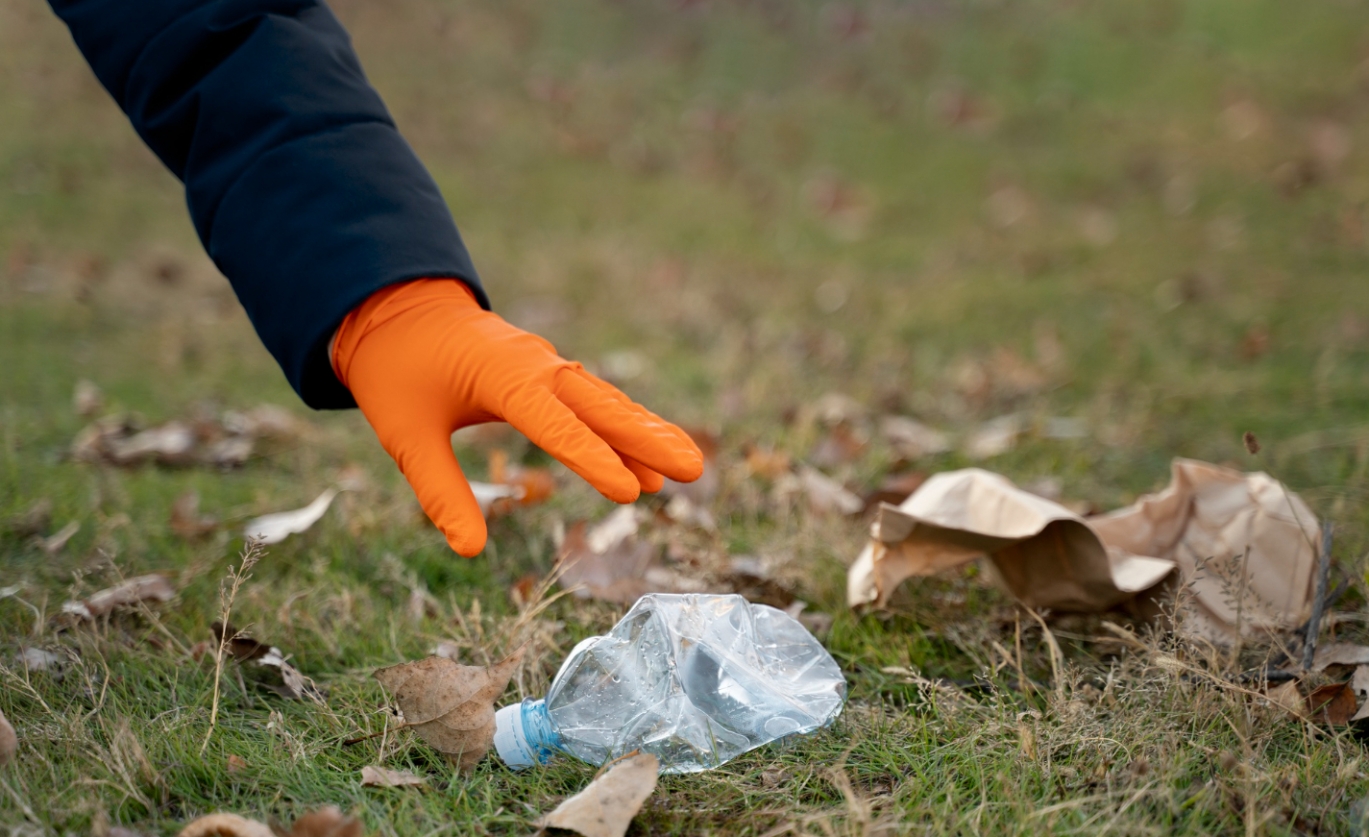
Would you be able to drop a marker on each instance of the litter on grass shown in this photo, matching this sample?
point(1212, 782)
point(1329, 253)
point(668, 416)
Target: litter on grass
point(266, 664)
point(374, 776)
point(140, 590)
point(605, 808)
point(1214, 530)
point(325, 822)
point(449, 705)
point(276, 527)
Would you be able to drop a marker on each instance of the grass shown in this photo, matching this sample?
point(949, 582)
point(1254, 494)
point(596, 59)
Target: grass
point(1159, 206)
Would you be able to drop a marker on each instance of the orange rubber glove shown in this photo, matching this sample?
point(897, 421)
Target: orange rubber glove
point(423, 359)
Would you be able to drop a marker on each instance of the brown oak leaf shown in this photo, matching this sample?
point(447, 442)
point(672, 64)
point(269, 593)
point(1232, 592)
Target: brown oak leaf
point(606, 807)
point(325, 822)
point(449, 705)
point(1334, 703)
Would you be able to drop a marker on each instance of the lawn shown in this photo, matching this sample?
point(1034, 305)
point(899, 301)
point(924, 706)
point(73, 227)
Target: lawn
point(1148, 217)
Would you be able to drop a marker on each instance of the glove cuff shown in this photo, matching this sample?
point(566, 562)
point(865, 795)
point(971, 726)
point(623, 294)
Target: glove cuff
point(386, 304)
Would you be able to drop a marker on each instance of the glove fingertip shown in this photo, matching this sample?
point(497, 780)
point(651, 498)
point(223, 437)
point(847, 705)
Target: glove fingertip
point(623, 494)
point(651, 483)
point(685, 467)
point(466, 545)
point(466, 536)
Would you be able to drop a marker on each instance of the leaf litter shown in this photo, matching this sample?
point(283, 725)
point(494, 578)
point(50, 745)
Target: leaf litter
point(375, 776)
point(141, 590)
point(450, 705)
point(325, 822)
point(276, 527)
point(267, 665)
point(1259, 534)
point(611, 562)
point(606, 806)
point(223, 441)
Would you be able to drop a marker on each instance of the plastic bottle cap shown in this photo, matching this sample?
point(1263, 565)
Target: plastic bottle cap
point(510, 741)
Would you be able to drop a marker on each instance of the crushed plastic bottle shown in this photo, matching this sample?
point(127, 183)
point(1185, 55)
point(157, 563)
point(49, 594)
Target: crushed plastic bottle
point(694, 679)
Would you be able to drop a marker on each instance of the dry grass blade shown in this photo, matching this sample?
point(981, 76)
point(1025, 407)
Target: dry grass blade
point(252, 552)
point(606, 807)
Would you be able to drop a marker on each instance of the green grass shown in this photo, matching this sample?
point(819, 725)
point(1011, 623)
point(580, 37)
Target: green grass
point(658, 177)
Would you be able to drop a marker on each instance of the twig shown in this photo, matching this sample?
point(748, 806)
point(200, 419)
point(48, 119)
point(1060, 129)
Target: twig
point(1309, 644)
point(252, 551)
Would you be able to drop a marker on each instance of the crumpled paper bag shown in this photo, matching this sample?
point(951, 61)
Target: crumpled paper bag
point(1198, 529)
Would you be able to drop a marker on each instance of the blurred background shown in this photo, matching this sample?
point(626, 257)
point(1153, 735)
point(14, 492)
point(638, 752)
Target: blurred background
point(1146, 219)
point(1065, 240)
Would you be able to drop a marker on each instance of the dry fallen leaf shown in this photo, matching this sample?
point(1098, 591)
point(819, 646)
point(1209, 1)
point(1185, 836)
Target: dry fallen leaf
point(201, 440)
point(767, 463)
point(911, 439)
point(9, 742)
point(153, 587)
point(1288, 697)
point(1048, 556)
point(606, 807)
point(449, 705)
point(383, 777)
point(186, 520)
point(488, 495)
point(39, 659)
point(840, 445)
point(172, 443)
point(274, 528)
point(1334, 704)
point(325, 822)
point(1359, 681)
point(994, 437)
point(824, 494)
point(535, 484)
point(266, 421)
point(225, 825)
point(1339, 654)
point(267, 664)
point(609, 562)
point(521, 592)
point(448, 649)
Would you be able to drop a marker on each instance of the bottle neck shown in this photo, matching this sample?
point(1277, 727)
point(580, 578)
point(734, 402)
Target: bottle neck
point(524, 735)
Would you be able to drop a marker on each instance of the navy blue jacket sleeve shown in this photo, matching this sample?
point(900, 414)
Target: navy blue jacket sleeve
point(300, 187)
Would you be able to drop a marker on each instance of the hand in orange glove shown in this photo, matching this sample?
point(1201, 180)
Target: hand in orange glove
point(423, 359)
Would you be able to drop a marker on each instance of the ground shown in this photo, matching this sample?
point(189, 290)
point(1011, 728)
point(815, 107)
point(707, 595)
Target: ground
point(1148, 216)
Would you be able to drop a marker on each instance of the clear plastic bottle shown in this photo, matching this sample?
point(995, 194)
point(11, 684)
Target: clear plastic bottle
point(694, 679)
